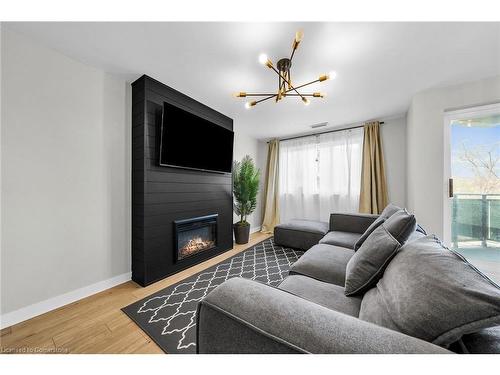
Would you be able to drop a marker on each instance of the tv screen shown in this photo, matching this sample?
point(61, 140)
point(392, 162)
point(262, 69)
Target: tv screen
point(189, 141)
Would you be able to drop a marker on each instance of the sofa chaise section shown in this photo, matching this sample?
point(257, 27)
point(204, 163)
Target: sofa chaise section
point(343, 229)
point(300, 234)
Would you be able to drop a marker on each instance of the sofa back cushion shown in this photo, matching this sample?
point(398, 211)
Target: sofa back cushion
point(367, 264)
point(349, 222)
point(432, 293)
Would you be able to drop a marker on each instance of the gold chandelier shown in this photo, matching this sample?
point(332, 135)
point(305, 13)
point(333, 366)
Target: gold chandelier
point(285, 86)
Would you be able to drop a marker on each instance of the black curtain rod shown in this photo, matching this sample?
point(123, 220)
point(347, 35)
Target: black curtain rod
point(326, 132)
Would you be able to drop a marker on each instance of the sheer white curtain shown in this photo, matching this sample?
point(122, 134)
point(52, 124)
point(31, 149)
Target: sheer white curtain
point(320, 174)
point(298, 185)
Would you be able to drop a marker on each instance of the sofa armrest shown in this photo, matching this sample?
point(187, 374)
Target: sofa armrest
point(244, 316)
point(348, 222)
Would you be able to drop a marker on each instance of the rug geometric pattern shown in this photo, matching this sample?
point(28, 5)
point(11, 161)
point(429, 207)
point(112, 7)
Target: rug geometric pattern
point(169, 316)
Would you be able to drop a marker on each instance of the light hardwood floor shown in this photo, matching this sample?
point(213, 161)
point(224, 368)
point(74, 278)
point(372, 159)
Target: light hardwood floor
point(96, 324)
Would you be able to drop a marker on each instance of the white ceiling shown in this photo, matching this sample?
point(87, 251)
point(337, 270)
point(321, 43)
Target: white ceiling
point(380, 66)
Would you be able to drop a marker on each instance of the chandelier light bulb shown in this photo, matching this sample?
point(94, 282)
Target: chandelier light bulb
point(306, 101)
point(249, 105)
point(298, 36)
point(332, 74)
point(263, 58)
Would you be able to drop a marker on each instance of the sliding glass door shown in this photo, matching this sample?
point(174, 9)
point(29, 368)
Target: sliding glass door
point(474, 187)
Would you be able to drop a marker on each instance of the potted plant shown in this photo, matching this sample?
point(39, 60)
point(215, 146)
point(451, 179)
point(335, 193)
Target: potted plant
point(245, 188)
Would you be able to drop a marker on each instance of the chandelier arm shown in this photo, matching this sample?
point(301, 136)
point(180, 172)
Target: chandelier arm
point(300, 86)
point(299, 94)
point(262, 94)
point(283, 83)
point(295, 45)
point(269, 97)
point(293, 53)
point(292, 88)
point(287, 91)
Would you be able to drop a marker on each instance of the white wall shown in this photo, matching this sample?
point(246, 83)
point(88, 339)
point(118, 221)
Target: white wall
point(393, 134)
point(65, 174)
point(257, 150)
point(425, 143)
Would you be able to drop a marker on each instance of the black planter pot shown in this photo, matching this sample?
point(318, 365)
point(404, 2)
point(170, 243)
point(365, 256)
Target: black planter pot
point(241, 233)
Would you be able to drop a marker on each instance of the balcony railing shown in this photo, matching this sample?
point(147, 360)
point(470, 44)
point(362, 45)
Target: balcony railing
point(475, 218)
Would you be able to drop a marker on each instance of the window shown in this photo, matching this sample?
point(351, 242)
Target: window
point(320, 174)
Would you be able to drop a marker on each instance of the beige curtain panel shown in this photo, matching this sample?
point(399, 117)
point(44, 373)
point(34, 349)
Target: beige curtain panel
point(271, 204)
point(373, 194)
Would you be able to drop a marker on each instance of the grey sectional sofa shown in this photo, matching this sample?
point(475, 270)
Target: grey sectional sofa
point(310, 312)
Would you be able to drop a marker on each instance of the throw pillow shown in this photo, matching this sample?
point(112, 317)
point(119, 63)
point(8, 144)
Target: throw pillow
point(379, 221)
point(368, 263)
point(432, 293)
point(401, 225)
point(388, 211)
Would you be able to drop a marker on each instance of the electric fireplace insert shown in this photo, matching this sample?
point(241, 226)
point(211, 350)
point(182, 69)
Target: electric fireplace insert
point(195, 235)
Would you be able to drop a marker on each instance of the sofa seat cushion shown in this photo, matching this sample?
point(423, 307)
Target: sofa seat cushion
point(324, 294)
point(325, 263)
point(432, 293)
point(343, 239)
point(300, 234)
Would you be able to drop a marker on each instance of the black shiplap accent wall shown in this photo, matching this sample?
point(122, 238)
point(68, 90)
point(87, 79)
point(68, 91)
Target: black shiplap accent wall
point(161, 195)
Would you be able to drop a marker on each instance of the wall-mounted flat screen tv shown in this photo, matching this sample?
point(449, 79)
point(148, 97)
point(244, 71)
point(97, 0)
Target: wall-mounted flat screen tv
point(189, 141)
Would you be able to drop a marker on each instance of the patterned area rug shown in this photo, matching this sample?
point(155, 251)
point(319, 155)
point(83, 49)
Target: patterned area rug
point(169, 316)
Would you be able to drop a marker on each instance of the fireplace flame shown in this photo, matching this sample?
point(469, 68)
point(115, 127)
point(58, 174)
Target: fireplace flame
point(195, 245)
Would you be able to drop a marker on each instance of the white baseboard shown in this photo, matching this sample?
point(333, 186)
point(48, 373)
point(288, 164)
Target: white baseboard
point(28, 312)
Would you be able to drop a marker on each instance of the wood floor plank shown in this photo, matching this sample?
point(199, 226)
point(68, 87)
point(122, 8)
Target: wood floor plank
point(124, 340)
point(73, 336)
point(96, 324)
point(5, 331)
point(148, 348)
